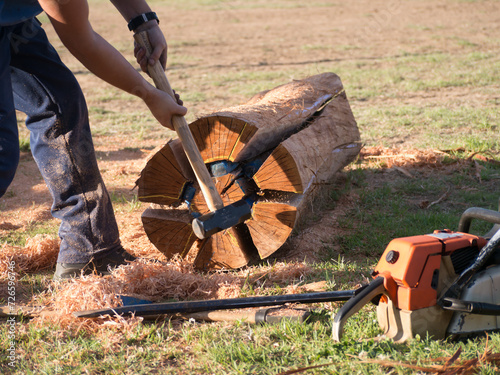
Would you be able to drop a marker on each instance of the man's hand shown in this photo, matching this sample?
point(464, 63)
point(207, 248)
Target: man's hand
point(132, 8)
point(163, 107)
point(158, 42)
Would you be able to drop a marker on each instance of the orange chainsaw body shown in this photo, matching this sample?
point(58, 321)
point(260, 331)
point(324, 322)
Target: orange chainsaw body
point(410, 266)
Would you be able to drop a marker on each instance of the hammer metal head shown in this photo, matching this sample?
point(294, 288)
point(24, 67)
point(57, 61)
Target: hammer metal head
point(224, 218)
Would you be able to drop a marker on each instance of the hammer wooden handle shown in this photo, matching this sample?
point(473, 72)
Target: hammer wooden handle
point(207, 186)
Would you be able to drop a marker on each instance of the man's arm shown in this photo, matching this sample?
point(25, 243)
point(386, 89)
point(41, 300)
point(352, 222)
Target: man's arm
point(70, 21)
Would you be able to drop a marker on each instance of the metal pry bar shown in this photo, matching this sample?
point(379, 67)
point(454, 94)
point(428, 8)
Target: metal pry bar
point(222, 304)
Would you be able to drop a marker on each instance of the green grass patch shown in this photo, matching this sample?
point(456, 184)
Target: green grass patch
point(432, 126)
point(397, 206)
point(391, 76)
point(124, 203)
point(136, 126)
point(18, 237)
point(24, 144)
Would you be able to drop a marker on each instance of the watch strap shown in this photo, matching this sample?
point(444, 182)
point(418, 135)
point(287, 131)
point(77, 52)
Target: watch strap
point(142, 18)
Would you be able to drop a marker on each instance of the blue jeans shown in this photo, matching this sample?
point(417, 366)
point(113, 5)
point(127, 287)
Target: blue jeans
point(34, 80)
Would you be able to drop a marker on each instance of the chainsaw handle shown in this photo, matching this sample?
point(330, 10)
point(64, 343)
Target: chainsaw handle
point(455, 289)
point(483, 214)
point(351, 307)
point(181, 127)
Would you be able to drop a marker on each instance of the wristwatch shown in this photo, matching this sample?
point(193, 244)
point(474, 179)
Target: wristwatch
point(142, 18)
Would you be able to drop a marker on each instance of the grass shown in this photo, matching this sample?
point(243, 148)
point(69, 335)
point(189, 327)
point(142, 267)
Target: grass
point(392, 209)
point(386, 209)
point(241, 350)
point(427, 98)
point(24, 144)
point(18, 238)
point(123, 203)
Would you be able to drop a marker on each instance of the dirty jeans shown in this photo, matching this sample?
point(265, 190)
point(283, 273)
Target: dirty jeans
point(34, 80)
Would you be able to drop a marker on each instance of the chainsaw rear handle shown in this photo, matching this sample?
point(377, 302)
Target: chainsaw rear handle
point(351, 307)
point(484, 214)
point(207, 186)
point(455, 290)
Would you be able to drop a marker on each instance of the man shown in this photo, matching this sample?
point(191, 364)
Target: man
point(35, 81)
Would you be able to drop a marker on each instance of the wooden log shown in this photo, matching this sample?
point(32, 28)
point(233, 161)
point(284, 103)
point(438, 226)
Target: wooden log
point(220, 137)
point(169, 230)
point(281, 148)
point(163, 180)
point(231, 248)
point(271, 226)
point(280, 112)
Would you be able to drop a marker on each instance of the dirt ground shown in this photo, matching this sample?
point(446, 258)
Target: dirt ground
point(232, 38)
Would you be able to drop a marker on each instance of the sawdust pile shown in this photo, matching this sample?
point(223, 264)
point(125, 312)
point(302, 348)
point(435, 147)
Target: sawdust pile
point(39, 253)
point(84, 293)
point(394, 157)
point(175, 279)
point(280, 273)
point(156, 282)
point(399, 157)
point(145, 279)
point(87, 293)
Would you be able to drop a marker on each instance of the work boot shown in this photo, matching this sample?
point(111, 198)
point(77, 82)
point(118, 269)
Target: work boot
point(100, 267)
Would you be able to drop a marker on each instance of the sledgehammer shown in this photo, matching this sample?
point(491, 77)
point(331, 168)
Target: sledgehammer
point(220, 217)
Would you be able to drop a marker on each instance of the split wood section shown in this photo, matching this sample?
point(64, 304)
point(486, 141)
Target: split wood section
point(280, 150)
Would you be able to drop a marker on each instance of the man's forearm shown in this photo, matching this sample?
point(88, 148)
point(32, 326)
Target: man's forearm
point(131, 8)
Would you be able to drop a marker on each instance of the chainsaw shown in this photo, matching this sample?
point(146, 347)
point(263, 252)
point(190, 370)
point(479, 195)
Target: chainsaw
point(440, 284)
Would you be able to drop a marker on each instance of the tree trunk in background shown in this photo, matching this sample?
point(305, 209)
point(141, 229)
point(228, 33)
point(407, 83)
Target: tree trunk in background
point(282, 148)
